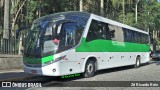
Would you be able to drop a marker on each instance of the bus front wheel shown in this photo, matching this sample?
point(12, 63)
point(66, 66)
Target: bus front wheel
point(89, 69)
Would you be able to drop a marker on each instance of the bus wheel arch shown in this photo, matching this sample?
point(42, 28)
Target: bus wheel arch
point(138, 61)
point(90, 67)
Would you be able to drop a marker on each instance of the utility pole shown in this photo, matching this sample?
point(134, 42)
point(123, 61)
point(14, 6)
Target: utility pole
point(148, 24)
point(137, 1)
point(6, 20)
point(6, 27)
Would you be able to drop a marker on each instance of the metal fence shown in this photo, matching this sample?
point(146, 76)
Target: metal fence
point(12, 45)
point(9, 46)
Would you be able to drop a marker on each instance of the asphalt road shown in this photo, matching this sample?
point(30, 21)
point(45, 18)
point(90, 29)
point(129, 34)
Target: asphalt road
point(147, 72)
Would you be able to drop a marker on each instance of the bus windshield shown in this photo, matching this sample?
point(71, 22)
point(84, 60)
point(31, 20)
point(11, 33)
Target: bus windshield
point(32, 39)
point(40, 40)
point(52, 37)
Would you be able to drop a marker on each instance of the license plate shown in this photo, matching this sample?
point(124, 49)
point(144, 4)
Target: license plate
point(33, 71)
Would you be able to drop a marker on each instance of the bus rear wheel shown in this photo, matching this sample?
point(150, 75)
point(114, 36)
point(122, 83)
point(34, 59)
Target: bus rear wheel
point(89, 69)
point(138, 62)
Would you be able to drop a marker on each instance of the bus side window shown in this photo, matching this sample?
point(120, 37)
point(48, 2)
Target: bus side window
point(80, 25)
point(80, 28)
point(128, 35)
point(111, 32)
point(92, 35)
point(68, 34)
point(98, 30)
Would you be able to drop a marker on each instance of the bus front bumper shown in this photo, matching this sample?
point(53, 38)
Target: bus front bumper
point(49, 70)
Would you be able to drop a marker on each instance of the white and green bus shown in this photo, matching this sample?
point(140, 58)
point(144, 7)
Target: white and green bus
point(77, 42)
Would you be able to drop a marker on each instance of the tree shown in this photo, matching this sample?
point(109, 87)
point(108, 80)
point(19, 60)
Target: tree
point(16, 8)
point(6, 27)
point(92, 6)
point(102, 7)
point(81, 5)
point(1, 14)
point(1, 3)
point(23, 12)
point(137, 1)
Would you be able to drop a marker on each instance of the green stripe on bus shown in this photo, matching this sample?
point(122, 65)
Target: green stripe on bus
point(111, 46)
point(47, 59)
point(33, 60)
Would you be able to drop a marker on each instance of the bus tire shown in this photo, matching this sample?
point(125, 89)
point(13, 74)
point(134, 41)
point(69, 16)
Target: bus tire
point(89, 69)
point(138, 62)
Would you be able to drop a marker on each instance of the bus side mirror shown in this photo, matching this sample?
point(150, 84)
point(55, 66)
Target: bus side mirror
point(20, 29)
point(17, 32)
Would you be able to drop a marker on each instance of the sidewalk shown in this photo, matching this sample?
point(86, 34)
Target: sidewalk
point(14, 74)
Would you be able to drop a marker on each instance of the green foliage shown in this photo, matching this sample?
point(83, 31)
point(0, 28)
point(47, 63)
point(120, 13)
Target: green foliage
point(148, 16)
point(70, 5)
point(92, 6)
point(129, 19)
point(31, 7)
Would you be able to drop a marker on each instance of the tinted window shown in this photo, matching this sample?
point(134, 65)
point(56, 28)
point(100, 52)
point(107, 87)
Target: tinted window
point(135, 37)
point(157, 52)
point(128, 34)
point(80, 25)
point(98, 30)
point(68, 34)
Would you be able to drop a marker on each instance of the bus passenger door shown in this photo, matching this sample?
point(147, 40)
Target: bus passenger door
point(67, 44)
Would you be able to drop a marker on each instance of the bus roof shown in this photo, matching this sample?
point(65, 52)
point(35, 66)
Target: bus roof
point(64, 15)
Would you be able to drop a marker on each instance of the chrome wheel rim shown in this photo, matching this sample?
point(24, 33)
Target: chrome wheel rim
point(138, 63)
point(90, 68)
